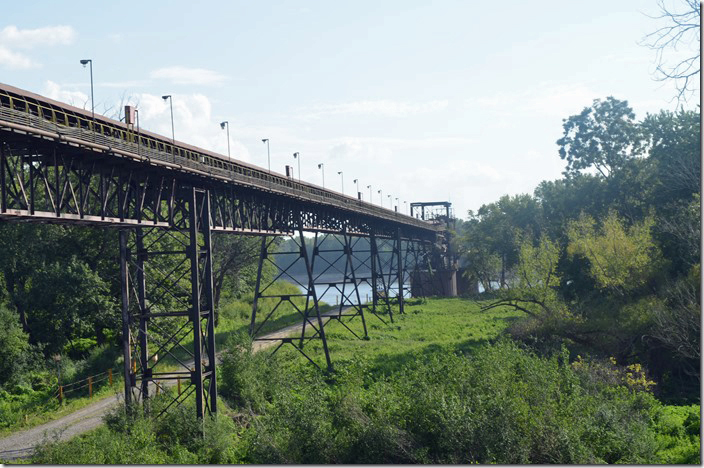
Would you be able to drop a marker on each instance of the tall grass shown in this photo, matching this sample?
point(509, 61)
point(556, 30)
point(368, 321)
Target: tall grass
point(458, 393)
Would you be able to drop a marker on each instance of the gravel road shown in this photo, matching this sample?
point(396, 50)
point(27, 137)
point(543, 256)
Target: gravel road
point(21, 444)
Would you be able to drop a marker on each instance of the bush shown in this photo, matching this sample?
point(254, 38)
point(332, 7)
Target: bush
point(501, 405)
point(14, 346)
point(678, 439)
point(176, 438)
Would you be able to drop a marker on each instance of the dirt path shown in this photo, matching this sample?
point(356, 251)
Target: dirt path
point(21, 444)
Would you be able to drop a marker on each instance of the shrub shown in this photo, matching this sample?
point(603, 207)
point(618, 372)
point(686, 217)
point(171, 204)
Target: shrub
point(501, 405)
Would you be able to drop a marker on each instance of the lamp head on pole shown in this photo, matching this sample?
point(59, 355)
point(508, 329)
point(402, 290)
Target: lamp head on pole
point(354, 181)
point(222, 124)
point(264, 140)
point(85, 62)
point(295, 155)
point(166, 97)
point(369, 186)
point(320, 166)
point(339, 172)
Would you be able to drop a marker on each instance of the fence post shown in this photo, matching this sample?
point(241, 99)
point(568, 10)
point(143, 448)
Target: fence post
point(178, 384)
point(90, 387)
point(61, 394)
point(110, 377)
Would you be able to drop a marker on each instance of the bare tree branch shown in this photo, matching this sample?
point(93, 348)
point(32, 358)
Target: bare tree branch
point(682, 30)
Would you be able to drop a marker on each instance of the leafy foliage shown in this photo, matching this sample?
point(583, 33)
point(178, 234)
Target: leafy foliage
point(602, 137)
point(620, 258)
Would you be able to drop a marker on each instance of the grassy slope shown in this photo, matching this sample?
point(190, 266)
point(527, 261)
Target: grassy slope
point(234, 318)
point(425, 327)
point(442, 325)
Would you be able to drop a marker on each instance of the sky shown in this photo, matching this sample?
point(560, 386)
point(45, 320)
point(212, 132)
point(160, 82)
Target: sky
point(424, 100)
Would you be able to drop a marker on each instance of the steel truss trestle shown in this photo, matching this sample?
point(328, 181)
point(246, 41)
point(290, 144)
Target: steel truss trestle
point(167, 309)
point(167, 296)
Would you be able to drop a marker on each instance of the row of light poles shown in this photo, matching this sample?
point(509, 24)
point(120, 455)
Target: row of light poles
point(225, 125)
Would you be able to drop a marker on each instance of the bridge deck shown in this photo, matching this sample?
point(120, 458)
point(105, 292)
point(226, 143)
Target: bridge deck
point(27, 113)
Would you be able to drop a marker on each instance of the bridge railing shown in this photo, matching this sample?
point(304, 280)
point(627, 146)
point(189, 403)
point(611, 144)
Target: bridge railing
point(117, 137)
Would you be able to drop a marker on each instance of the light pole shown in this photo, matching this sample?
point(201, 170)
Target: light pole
point(321, 166)
point(223, 125)
point(342, 180)
point(268, 154)
point(297, 155)
point(85, 62)
point(139, 137)
point(390, 202)
point(405, 203)
point(356, 181)
point(173, 135)
point(370, 193)
point(381, 198)
point(396, 203)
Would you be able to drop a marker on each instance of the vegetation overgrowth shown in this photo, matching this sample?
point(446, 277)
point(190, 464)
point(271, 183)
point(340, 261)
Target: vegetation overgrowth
point(447, 399)
point(33, 399)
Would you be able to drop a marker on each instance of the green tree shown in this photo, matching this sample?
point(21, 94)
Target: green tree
point(535, 290)
point(676, 155)
point(234, 264)
point(68, 298)
point(602, 137)
point(490, 235)
point(621, 258)
point(14, 344)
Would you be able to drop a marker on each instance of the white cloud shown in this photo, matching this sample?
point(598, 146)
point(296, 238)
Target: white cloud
point(124, 84)
point(12, 38)
point(14, 60)
point(384, 107)
point(382, 150)
point(58, 93)
point(30, 38)
point(355, 149)
point(546, 100)
point(194, 123)
point(188, 76)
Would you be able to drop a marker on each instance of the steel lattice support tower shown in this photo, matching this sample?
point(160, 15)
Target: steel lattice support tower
point(167, 308)
point(309, 311)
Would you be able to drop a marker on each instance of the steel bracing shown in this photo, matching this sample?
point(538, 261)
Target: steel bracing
point(60, 164)
point(167, 299)
point(339, 264)
point(306, 307)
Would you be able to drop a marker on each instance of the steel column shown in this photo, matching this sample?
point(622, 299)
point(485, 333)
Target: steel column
point(3, 180)
point(210, 301)
point(373, 253)
point(311, 291)
point(255, 301)
point(124, 291)
point(399, 272)
point(143, 318)
point(360, 307)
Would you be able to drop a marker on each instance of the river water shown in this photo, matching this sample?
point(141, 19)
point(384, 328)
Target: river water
point(332, 295)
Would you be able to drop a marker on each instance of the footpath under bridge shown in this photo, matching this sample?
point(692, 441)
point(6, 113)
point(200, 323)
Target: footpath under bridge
point(61, 164)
